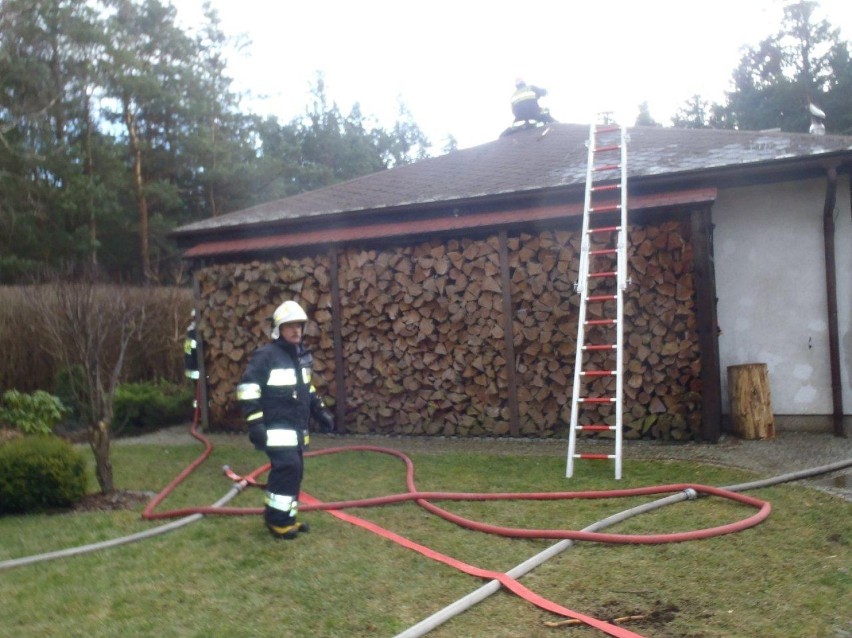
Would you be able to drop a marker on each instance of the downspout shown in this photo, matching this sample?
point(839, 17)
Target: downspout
point(831, 298)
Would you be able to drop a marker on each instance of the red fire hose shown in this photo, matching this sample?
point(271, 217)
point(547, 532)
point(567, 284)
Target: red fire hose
point(423, 498)
point(309, 503)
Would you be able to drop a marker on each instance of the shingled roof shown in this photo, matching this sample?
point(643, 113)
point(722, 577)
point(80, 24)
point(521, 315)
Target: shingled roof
point(546, 159)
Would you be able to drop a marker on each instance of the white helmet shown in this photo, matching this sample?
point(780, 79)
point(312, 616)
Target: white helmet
point(288, 312)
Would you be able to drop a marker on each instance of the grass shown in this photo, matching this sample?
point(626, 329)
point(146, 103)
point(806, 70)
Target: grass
point(223, 576)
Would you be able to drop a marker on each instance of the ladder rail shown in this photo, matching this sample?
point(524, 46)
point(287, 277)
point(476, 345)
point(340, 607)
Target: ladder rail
point(622, 239)
point(582, 288)
point(585, 240)
point(622, 286)
point(619, 376)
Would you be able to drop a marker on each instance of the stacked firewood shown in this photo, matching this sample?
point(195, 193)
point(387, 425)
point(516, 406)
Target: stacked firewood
point(237, 302)
point(423, 340)
point(422, 333)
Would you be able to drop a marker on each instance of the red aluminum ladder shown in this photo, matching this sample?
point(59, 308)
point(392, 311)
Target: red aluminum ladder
point(602, 279)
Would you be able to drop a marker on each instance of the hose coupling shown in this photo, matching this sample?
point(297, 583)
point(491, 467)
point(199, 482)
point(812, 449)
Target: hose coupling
point(691, 494)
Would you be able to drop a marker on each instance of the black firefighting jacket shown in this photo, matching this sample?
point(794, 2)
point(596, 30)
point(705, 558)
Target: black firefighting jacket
point(276, 387)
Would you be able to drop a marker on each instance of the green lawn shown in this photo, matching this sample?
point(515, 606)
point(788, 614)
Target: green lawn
point(224, 576)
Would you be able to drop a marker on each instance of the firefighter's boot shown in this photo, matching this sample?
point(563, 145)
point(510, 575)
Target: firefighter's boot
point(287, 532)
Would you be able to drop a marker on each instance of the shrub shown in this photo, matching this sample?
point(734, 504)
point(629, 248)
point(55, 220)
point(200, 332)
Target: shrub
point(40, 472)
point(151, 405)
point(36, 413)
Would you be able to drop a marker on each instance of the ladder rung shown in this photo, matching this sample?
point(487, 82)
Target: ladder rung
point(604, 209)
point(594, 298)
point(607, 128)
point(601, 322)
point(600, 346)
point(603, 229)
point(608, 147)
point(595, 428)
point(596, 399)
point(606, 273)
point(597, 457)
point(607, 167)
point(605, 187)
point(599, 373)
point(604, 251)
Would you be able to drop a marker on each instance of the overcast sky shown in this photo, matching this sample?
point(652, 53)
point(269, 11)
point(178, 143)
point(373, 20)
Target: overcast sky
point(453, 63)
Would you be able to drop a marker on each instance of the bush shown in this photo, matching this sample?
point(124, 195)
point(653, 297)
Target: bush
point(40, 472)
point(144, 406)
point(36, 413)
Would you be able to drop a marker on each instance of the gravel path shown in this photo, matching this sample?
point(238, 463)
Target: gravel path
point(788, 452)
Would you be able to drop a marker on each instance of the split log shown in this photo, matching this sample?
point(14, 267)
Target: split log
point(751, 401)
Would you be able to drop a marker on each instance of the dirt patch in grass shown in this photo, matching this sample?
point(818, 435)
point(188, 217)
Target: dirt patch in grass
point(655, 617)
point(116, 500)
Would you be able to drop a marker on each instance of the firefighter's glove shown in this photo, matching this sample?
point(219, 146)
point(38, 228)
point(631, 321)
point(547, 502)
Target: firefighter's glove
point(325, 421)
point(257, 435)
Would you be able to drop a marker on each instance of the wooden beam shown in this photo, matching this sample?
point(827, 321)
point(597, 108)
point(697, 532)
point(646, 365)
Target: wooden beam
point(201, 398)
point(339, 377)
point(707, 323)
point(508, 337)
point(333, 233)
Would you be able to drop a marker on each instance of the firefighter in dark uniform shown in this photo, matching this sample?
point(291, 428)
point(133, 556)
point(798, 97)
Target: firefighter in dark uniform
point(191, 365)
point(190, 351)
point(525, 106)
point(277, 400)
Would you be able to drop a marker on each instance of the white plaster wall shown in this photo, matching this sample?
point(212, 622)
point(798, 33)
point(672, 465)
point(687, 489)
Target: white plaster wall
point(770, 279)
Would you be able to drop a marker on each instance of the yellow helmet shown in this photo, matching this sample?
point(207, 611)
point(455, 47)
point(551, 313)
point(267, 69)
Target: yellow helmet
point(288, 312)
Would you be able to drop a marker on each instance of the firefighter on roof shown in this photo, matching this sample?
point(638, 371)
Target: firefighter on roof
point(525, 106)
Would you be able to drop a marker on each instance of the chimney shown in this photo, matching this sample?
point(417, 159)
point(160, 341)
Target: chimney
point(817, 119)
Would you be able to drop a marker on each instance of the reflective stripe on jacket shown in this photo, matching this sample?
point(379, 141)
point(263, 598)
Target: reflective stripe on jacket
point(524, 94)
point(276, 386)
point(190, 353)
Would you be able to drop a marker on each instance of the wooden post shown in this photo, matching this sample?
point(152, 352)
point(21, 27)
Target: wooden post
point(508, 336)
point(336, 322)
point(707, 324)
point(202, 398)
point(751, 401)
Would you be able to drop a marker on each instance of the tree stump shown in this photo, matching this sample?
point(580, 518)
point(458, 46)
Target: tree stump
point(751, 401)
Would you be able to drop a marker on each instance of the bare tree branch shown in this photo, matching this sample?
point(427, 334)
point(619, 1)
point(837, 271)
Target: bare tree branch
point(90, 328)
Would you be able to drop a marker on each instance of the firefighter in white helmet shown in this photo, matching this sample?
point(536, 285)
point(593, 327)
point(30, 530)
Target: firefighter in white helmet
point(277, 400)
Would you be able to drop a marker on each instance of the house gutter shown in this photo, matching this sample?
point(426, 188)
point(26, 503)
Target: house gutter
point(831, 298)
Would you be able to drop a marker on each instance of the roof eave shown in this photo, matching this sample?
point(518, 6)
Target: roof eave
point(481, 221)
